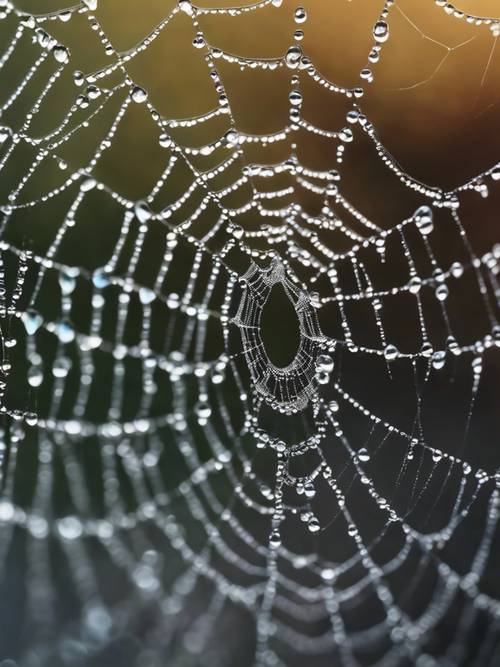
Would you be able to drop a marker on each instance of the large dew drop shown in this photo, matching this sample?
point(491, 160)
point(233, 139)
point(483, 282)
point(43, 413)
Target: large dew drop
point(424, 219)
point(293, 56)
point(139, 95)
point(381, 32)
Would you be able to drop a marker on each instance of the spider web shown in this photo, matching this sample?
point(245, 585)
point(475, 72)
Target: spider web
point(172, 495)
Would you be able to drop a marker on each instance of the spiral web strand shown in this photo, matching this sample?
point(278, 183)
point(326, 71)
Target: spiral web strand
point(170, 496)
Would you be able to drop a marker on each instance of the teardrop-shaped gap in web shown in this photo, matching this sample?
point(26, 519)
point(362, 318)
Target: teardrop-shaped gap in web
point(280, 328)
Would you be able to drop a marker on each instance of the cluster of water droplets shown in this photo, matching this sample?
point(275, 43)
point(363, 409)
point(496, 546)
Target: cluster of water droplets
point(204, 389)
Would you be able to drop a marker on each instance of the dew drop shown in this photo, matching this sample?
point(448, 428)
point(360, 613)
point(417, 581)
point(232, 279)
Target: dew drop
point(35, 376)
point(438, 359)
point(67, 283)
point(231, 138)
point(322, 377)
point(309, 490)
point(275, 540)
point(186, 7)
point(313, 525)
point(100, 280)
point(300, 15)
point(31, 418)
point(61, 53)
point(165, 141)
point(65, 331)
point(70, 528)
point(363, 455)
point(61, 367)
point(415, 284)
point(32, 321)
point(199, 41)
point(142, 211)
point(391, 352)
point(4, 134)
point(333, 406)
point(381, 32)
point(78, 78)
point(456, 269)
point(203, 410)
point(293, 56)
point(295, 98)
point(424, 219)
point(146, 295)
point(442, 292)
point(88, 184)
point(324, 362)
point(139, 95)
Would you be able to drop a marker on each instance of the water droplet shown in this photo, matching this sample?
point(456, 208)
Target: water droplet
point(366, 74)
point(313, 525)
point(27, 20)
point(65, 331)
point(328, 574)
point(237, 231)
point(67, 283)
point(61, 367)
point(438, 359)
point(231, 138)
point(322, 377)
point(61, 53)
point(35, 376)
point(4, 134)
point(275, 540)
point(203, 410)
point(391, 352)
point(186, 7)
point(142, 211)
point(6, 511)
point(381, 32)
point(70, 528)
point(424, 219)
point(139, 95)
point(300, 15)
point(324, 362)
point(165, 140)
point(295, 98)
point(100, 279)
point(363, 455)
point(346, 135)
point(32, 321)
point(309, 490)
point(293, 56)
point(31, 418)
point(442, 292)
point(199, 41)
point(415, 284)
point(146, 295)
point(88, 184)
point(93, 92)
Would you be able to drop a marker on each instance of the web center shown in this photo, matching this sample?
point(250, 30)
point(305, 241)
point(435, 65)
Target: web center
point(280, 327)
